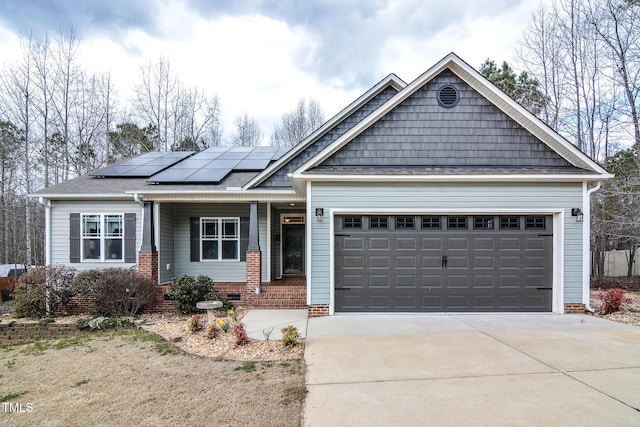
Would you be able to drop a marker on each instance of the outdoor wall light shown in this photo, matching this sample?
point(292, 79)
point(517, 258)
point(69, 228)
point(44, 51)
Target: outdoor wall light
point(577, 212)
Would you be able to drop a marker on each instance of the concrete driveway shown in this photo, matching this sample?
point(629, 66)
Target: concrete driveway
point(471, 369)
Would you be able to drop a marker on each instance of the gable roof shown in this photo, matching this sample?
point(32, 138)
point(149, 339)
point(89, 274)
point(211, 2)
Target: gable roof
point(585, 167)
point(390, 81)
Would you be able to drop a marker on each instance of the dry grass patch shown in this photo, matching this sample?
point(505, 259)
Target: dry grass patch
point(137, 378)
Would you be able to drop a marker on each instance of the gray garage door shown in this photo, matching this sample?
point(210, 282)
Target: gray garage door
point(443, 263)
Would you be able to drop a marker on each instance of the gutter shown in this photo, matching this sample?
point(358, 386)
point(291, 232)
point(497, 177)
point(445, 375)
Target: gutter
point(586, 239)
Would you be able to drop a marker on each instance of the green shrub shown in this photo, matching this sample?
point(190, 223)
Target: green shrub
point(122, 292)
point(30, 296)
point(289, 336)
point(189, 290)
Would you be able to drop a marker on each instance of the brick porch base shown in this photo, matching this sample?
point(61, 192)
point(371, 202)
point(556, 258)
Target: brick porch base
point(574, 308)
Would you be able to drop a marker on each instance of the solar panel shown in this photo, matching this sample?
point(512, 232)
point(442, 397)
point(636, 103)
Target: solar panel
point(252, 165)
point(213, 164)
point(143, 166)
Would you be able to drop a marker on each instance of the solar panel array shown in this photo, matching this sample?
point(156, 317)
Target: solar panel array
point(144, 165)
point(214, 164)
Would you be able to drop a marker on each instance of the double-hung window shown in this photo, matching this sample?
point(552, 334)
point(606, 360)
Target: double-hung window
point(220, 239)
point(102, 237)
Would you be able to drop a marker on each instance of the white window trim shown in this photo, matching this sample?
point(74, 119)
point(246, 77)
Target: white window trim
point(220, 239)
point(102, 238)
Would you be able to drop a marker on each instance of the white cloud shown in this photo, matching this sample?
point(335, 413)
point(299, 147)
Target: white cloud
point(264, 63)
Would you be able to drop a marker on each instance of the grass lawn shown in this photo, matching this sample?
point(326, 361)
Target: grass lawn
point(136, 378)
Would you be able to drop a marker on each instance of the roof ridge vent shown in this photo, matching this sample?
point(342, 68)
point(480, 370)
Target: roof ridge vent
point(448, 96)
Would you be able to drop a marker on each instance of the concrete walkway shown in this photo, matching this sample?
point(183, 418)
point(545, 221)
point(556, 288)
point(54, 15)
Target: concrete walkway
point(260, 323)
point(469, 369)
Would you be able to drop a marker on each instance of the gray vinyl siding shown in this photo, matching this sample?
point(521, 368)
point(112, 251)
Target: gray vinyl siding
point(165, 242)
point(219, 271)
point(60, 211)
point(425, 196)
point(419, 132)
point(280, 178)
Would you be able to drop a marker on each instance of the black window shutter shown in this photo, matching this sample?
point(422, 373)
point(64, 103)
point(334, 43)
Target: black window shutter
point(244, 238)
point(74, 237)
point(130, 237)
point(194, 224)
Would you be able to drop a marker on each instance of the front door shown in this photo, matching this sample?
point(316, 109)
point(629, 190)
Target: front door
point(293, 248)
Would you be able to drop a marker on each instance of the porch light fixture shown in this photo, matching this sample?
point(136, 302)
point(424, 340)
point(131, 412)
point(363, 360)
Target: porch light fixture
point(319, 211)
point(577, 212)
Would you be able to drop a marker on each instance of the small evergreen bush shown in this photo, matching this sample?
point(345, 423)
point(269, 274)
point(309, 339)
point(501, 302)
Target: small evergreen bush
point(289, 336)
point(188, 290)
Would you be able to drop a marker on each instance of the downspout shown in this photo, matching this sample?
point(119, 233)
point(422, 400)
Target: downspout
point(47, 245)
point(138, 199)
point(586, 244)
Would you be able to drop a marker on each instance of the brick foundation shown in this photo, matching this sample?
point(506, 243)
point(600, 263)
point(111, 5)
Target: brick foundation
point(574, 308)
point(161, 303)
point(318, 310)
point(148, 265)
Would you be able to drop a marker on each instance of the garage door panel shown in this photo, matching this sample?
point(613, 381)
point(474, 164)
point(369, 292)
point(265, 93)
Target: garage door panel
point(406, 281)
point(405, 262)
point(431, 243)
point(484, 243)
point(405, 244)
point(487, 262)
point(381, 281)
point(353, 243)
point(379, 262)
point(379, 243)
point(443, 270)
point(457, 243)
point(352, 261)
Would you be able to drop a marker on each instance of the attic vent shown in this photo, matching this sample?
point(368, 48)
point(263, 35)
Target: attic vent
point(448, 96)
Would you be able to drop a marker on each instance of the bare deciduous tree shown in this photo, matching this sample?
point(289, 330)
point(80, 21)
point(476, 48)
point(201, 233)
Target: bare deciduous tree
point(294, 126)
point(247, 132)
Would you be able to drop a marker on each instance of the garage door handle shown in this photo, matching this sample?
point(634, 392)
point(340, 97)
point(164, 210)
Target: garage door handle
point(342, 235)
point(545, 235)
point(444, 260)
point(343, 289)
point(544, 289)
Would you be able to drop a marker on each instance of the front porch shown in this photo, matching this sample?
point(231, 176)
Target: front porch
point(255, 252)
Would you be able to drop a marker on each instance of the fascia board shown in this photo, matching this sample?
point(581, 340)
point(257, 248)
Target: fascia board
point(454, 178)
point(83, 196)
point(472, 77)
point(391, 80)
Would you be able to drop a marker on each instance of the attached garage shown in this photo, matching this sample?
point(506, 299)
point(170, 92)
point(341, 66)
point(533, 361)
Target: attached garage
point(440, 263)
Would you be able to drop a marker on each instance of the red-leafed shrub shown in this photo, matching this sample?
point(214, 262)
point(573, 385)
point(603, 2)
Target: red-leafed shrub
point(613, 300)
point(241, 334)
point(196, 323)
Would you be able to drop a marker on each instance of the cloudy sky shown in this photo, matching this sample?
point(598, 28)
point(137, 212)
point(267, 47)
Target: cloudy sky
point(261, 56)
